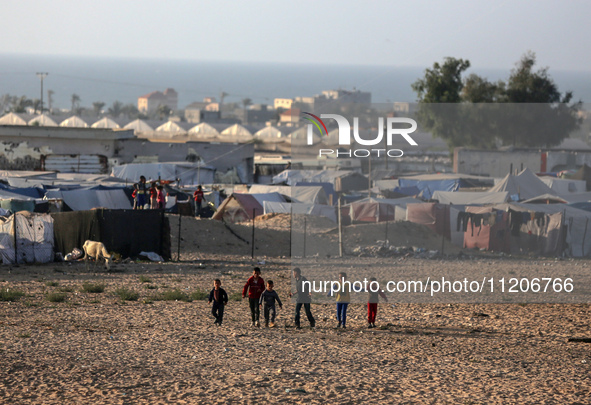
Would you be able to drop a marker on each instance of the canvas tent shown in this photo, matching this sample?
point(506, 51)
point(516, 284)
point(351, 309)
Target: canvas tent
point(342, 180)
point(470, 198)
point(564, 187)
point(432, 215)
point(378, 210)
point(240, 207)
point(298, 208)
point(34, 238)
point(523, 186)
point(310, 194)
point(188, 173)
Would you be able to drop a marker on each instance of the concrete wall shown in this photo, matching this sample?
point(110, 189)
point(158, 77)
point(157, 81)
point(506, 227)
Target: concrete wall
point(495, 163)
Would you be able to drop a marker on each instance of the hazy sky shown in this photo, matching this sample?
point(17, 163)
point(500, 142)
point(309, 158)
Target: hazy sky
point(490, 34)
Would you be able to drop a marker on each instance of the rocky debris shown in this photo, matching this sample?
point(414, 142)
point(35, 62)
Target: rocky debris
point(385, 249)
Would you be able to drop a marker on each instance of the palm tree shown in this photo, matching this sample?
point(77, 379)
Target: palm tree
point(97, 106)
point(163, 111)
point(19, 105)
point(115, 109)
point(75, 103)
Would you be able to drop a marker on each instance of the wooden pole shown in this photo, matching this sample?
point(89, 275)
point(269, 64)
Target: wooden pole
point(179, 240)
point(252, 240)
point(305, 223)
point(340, 227)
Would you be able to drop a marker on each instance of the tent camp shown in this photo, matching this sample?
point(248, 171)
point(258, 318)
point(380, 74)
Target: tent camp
point(171, 127)
point(432, 215)
point(240, 207)
point(235, 133)
point(203, 132)
point(269, 135)
point(188, 173)
point(563, 187)
point(139, 127)
point(12, 119)
point(43, 121)
point(470, 198)
point(523, 186)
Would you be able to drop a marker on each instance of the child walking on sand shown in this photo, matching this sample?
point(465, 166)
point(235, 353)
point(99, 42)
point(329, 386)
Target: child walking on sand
point(343, 298)
point(255, 286)
point(220, 299)
point(372, 303)
point(268, 298)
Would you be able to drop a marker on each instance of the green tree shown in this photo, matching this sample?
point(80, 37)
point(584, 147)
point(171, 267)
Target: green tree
point(115, 109)
point(163, 111)
point(19, 105)
point(75, 103)
point(526, 110)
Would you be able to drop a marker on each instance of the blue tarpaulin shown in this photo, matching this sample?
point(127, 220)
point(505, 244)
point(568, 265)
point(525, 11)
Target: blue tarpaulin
point(428, 187)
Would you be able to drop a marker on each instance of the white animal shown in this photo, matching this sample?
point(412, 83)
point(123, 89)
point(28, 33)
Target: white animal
point(96, 250)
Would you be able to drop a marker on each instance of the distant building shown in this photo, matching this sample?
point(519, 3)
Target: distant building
point(201, 111)
point(347, 96)
point(291, 116)
point(150, 102)
point(284, 103)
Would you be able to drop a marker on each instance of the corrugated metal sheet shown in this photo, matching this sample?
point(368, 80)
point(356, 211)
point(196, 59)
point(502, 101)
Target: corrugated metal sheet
point(93, 164)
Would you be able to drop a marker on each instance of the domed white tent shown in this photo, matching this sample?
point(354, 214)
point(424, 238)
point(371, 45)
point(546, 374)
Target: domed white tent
point(74, 122)
point(105, 122)
point(139, 126)
point(172, 128)
point(43, 121)
point(270, 135)
point(203, 131)
point(299, 137)
point(236, 133)
point(12, 119)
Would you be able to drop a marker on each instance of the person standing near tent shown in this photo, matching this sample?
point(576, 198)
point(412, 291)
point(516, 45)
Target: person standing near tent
point(153, 196)
point(198, 196)
point(255, 286)
point(141, 193)
point(160, 198)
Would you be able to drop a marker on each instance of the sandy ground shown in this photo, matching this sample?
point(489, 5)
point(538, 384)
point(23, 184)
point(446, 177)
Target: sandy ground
point(95, 348)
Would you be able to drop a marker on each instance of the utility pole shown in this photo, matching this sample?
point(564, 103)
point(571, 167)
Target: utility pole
point(42, 75)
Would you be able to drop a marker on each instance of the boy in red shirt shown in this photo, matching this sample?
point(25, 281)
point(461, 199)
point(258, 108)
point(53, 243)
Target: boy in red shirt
point(198, 196)
point(255, 286)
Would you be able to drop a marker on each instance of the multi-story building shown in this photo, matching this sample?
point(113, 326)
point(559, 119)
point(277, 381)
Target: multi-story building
point(150, 102)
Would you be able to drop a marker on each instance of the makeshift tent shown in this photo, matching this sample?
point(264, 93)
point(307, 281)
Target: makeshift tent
point(310, 194)
point(12, 119)
point(188, 173)
point(399, 192)
point(432, 215)
point(470, 198)
point(342, 180)
point(584, 173)
point(105, 122)
point(328, 190)
point(239, 208)
point(43, 121)
point(464, 180)
point(171, 127)
point(523, 186)
point(127, 232)
point(564, 187)
point(377, 210)
point(81, 200)
point(546, 199)
point(428, 187)
point(484, 234)
point(269, 135)
point(34, 238)
point(74, 122)
point(316, 210)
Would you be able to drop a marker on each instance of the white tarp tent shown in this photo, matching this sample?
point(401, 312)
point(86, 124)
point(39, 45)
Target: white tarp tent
point(74, 122)
point(302, 194)
point(105, 122)
point(12, 119)
point(139, 126)
point(470, 198)
point(172, 128)
point(297, 208)
point(564, 187)
point(269, 135)
point(525, 185)
point(203, 131)
point(188, 173)
point(236, 133)
point(34, 238)
point(43, 121)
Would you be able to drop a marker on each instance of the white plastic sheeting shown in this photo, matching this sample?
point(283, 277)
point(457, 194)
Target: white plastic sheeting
point(302, 194)
point(469, 197)
point(309, 209)
point(34, 240)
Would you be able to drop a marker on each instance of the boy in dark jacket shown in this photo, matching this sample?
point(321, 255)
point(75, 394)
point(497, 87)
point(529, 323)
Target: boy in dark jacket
point(268, 298)
point(255, 286)
point(220, 299)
